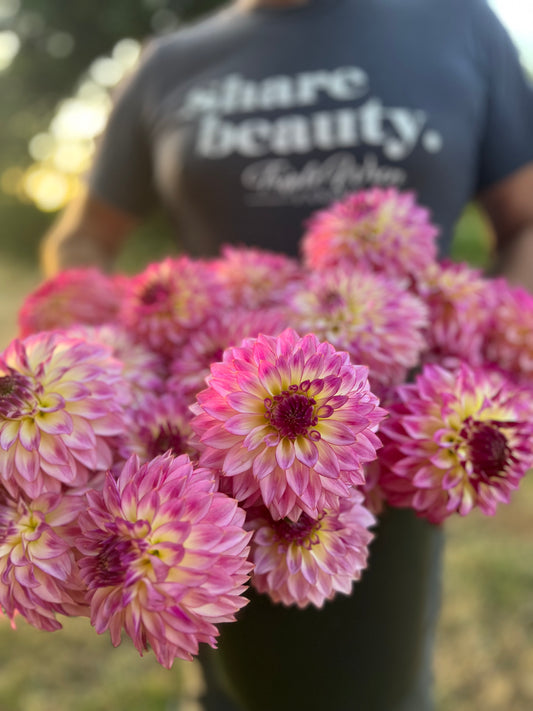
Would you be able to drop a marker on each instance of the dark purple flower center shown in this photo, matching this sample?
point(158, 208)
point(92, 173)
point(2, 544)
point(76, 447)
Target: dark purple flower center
point(332, 300)
point(168, 438)
point(489, 451)
point(7, 385)
point(15, 390)
point(155, 294)
point(215, 356)
point(303, 532)
point(113, 561)
point(292, 413)
point(7, 525)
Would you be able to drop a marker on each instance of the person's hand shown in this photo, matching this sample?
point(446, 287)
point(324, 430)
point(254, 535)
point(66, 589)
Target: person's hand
point(89, 232)
point(509, 205)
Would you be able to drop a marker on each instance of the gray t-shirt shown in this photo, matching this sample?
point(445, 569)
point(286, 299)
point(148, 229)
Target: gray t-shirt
point(244, 123)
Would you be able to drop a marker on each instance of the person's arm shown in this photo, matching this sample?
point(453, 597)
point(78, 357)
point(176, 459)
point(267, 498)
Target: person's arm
point(89, 232)
point(509, 205)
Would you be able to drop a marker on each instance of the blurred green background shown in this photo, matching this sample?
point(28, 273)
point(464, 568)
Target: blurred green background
point(59, 63)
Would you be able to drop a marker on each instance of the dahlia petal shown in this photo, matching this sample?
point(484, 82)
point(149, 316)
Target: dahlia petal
point(294, 558)
point(9, 431)
point(217, 436)
point(269, 377)
point(298, 477)
point(309, 569)
point(257, 436)
point(237, 460)
point(264, 462)
point(306, 451)
point(82, 435)
point(285, 453)
point(242, 424)
point(245, 402)
point(327, 463)
point(27, 462)
point(29, 435)
point(336, 432)
point(54, 422)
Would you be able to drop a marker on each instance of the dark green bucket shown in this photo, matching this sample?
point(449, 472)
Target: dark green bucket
point(371, 651)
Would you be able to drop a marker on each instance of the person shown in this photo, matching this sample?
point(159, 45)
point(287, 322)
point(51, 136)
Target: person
point(241, 125)
point(244, 123)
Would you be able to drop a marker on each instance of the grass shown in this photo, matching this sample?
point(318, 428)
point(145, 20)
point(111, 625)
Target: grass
point(484, 653)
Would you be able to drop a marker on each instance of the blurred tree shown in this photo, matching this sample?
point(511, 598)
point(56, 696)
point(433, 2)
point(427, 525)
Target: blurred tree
point(45, 48)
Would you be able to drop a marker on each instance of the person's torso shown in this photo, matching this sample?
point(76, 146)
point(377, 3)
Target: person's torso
point(258, 119)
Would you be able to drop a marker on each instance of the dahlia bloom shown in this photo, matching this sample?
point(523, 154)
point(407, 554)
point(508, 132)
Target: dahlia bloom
point(60, 409)
point(163, 557)
point(460, 302)
point(307, 561)
point(37, 565)
point(144, 371)
point(255, 277)
point(382, 229)
point(291, 419)
point(456, 440)
point(371, 316)
point(162, 424)
point(169, 300)
point(192, 362)
point(508, 341)
point(75, 296)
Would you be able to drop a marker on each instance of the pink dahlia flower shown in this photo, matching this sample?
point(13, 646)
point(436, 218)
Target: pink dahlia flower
point(162, 424)
point(255, 278)
point(191, 365)
point(169, 301)
point(144, 372)
point(371, 316)
point(456, 440)
point(291, 419)
point(460, 302)
point(382, 229)
point(76, 296)
point(508, 341)
point(308, 561)
point(163, 557)
point(60, 409)
point(37, 565)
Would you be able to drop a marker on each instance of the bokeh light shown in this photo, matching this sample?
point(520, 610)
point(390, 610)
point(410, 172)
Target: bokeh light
point(8, 8)
point(63, 152)
point(60, 44)
point(9, 47)
point(50, 189)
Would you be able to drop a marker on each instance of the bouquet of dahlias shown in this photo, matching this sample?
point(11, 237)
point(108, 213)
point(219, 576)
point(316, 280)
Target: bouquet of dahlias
point(168, 438)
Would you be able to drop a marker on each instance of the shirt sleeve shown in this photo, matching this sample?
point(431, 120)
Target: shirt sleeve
point(507, 134)
point(122, 172)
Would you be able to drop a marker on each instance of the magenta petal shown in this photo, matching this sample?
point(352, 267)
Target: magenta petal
point(27, 463)
point(29, 435)
point(9, 431)
point(242, 424)
point(327, 463)
point(244, 402)
point(55, 422)
point(306, 451)
point(285, 453)
point(237, 460)
point(264, 462)
point(336, 432)
point(298, 478)
point(270, 377)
